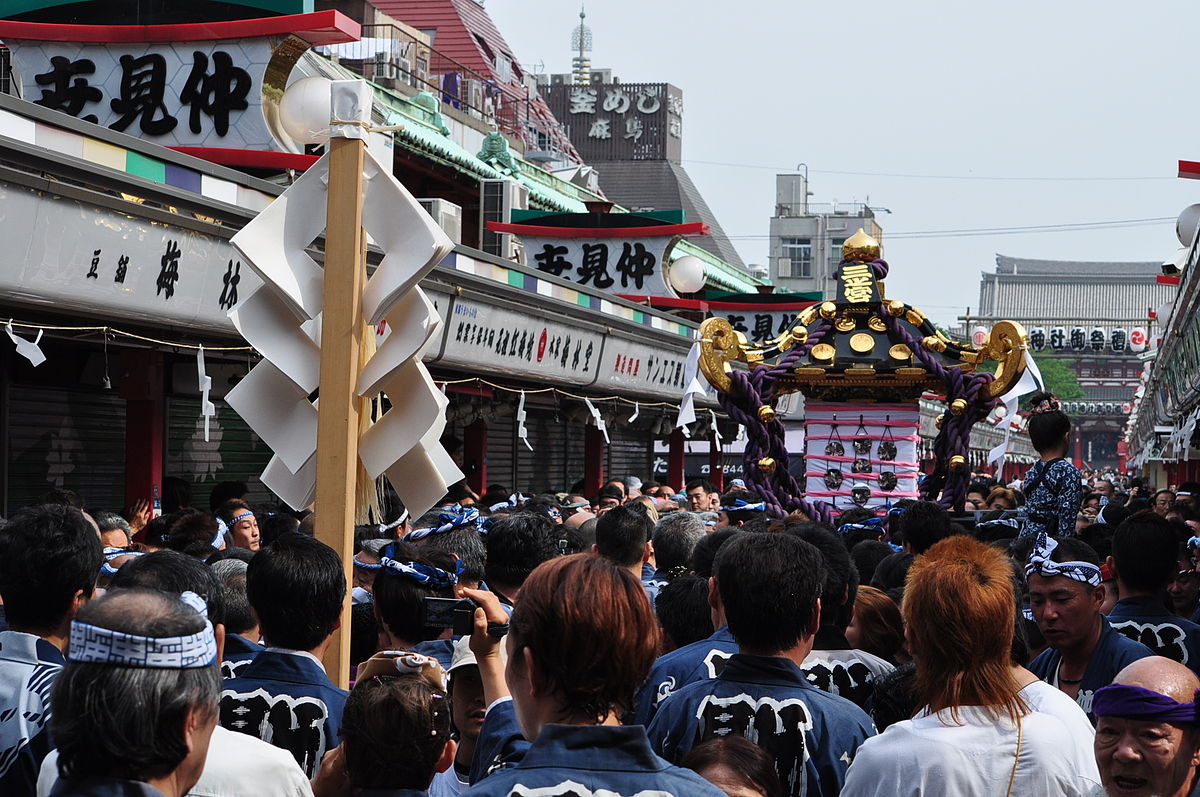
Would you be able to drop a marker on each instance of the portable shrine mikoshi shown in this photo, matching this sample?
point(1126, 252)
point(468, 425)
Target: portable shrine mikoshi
point(862, 362)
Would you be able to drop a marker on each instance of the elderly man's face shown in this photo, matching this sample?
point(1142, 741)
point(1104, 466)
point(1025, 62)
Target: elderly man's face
point(1141, 758)
point(1103, 487)
point(114, 538)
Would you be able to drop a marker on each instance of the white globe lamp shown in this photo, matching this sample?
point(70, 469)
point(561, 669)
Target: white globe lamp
point(688, 274)
point(1185, 225)
point(304, 111)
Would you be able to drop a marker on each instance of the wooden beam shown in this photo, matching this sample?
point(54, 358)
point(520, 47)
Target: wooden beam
point(337, 419)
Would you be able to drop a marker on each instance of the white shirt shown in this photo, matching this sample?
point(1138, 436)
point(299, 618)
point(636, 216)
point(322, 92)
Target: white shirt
point(1046, 699)
point(447, 784)
point(237, 765)
point(930, 756)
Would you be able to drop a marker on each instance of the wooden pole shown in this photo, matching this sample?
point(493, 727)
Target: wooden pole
point(337, 410)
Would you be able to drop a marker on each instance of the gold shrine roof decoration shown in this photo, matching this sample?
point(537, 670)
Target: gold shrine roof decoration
point(862, 345)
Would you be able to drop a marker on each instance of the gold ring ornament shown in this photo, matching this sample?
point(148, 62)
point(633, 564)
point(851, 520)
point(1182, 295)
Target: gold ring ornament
point(1006, 345)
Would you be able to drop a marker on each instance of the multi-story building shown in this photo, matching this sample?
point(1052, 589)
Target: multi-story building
point(1094, 317)
point(632, 134)
point(807, 238)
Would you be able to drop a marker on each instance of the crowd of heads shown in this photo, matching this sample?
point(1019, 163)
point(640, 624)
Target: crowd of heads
point(596, 590)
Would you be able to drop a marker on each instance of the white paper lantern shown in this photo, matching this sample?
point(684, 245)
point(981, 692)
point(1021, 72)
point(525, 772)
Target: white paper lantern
point(687, 274)
point(1078, 339)
point(304, 110)
point(1138, 338)
point(1119, 340)
point(979, 336)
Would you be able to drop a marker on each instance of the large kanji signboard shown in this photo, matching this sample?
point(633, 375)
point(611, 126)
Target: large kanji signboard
point(214, 85)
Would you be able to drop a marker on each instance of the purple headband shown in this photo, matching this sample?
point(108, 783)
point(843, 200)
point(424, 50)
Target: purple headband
point(1135, 702)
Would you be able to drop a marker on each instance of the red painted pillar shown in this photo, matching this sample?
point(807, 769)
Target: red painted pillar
point(675, 460)
point(475, 446)
point(716, 464)
point(1078, 449)
point(144, 389)
point(593, 460)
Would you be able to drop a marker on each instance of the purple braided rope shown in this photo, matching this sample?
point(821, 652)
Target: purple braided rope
point(768, 439)
point(948, 487)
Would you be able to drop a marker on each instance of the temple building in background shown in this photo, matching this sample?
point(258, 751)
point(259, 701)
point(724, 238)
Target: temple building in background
point(1095, 317)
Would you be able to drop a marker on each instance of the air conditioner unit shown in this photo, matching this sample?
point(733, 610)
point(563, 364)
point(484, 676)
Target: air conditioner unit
point(447, 215)
point(498, 199)
point(472, 94)
point(404, 70)
point(560, 80)
point(384, 68)
point(601, 76)
point(422, 66)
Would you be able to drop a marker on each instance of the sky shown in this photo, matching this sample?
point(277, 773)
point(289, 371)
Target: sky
point(1094, 100)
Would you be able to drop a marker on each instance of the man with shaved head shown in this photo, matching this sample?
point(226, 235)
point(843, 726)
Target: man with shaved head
point(1148, 730)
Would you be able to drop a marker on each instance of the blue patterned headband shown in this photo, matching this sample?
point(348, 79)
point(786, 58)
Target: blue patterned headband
point(742, 506)
point(514, 500)
point(222, 528)
point(397, 523)
point(432, 577)
point(872, 524)
point(106, 568)
point(94, 645)
point(1041, 563)
point(450, 522)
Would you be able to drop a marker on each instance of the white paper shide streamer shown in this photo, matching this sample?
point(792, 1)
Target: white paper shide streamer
point(282, 321)
point(522, 432)
point(29, 349)
point(207, 409)
point(695, 387)
point(1030, 381)
point(596, 417)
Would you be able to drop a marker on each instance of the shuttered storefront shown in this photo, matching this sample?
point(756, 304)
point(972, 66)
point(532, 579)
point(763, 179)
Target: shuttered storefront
point(501, 436)
point(232, 453)
point(556, 461)
point(70, 439)
point(628, 453)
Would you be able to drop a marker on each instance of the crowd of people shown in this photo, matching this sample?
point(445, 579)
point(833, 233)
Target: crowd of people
point(640, 641)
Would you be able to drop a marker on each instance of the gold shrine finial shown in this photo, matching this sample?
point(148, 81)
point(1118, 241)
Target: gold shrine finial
point(861, 247)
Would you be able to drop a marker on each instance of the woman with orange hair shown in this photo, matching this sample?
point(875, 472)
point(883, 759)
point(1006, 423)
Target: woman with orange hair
point(976, 732)
point(580, 641)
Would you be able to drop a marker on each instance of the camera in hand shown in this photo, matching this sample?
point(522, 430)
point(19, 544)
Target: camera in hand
point(451, 613)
